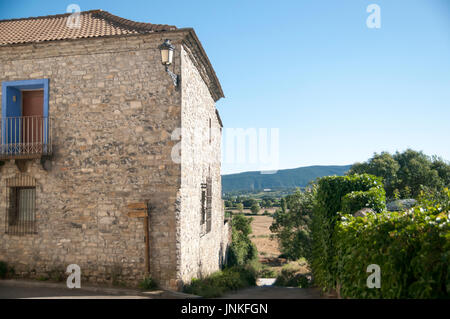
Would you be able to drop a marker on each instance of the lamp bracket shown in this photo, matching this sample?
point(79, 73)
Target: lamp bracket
point(175, 78)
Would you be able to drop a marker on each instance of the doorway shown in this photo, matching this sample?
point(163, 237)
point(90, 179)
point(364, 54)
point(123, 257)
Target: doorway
point(32, 117)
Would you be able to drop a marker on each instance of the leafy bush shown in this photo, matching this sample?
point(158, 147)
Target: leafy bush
point(288, 278)
point(148, 283)
point(432, 197)
point(328, 202)
point(412, 249)
point(374, 198)
point(267, 272)
point(218, 283)
point(292, 276)
point(242, 250)
point(3, 269)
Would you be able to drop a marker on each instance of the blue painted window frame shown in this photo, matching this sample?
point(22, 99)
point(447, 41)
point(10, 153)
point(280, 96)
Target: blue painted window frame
point(18, 86)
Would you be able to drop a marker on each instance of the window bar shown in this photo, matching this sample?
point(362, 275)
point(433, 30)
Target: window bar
point(33, 210)
point(21, 209)
point(7, 209)
point(32, 135)
point(27, 140)
point(41, 130)
point(10, 132)
point(20, 135)
point(16, 134)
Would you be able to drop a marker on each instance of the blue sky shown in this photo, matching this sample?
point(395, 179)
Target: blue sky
point(337, 90)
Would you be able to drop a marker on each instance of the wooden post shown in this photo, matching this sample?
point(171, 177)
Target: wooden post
point(147, 246)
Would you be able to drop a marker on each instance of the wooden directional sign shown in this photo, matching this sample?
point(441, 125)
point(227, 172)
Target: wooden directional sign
point(137, 213)
point(136, 210)
point(138, 206)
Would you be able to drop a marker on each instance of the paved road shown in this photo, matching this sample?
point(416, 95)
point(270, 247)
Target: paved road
point(8, 292)
point(12, 289)
point(272, 292)
point(30, 289)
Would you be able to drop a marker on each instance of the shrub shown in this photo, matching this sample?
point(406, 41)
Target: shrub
point(291, 276)
point(412, 249)
point(148, 283)
point(328, 202)
point(267, 272)
point(5, 270)
point(218, 283)
point(242, 250)
point(292, 223)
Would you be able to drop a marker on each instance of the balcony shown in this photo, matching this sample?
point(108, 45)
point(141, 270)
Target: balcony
point(25, 137)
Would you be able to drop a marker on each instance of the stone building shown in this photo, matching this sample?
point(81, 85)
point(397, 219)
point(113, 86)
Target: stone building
point(94, 127)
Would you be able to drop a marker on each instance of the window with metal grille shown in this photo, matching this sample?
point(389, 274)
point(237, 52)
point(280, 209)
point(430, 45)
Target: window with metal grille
point(20, 208)
point(206, 206)
point(203, 204)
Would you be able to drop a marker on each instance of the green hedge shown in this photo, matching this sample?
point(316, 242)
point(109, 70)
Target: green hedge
point(374, 198)
point(330, 192)
point(412, 249)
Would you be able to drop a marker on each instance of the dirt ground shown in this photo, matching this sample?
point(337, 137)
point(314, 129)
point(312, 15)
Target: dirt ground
point(267, 248)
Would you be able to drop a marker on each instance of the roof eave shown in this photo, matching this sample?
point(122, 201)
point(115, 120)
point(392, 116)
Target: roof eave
point(214, 85)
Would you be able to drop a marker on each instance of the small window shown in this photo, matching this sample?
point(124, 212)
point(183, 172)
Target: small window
point(210, 131)
point(20, 209)
point(206, 206)
point(203, 204)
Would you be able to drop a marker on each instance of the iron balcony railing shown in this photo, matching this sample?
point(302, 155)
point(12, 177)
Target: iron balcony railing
point(25, 137)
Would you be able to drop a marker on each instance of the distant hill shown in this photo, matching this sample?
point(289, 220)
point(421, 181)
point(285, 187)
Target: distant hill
point(285, 178)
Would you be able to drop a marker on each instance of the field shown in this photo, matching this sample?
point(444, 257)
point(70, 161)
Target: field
point(260, 236)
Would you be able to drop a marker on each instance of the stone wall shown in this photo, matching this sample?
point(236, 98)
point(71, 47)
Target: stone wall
point(199, 253)
point(114, 109)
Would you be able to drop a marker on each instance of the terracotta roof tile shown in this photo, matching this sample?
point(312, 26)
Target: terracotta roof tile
point(95, 23)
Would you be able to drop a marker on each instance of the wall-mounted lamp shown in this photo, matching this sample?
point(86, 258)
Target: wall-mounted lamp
point(166, 59)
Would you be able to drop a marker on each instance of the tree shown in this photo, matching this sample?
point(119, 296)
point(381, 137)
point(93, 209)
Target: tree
point(255, 208)
point(240, 207)
point(242, 250)
point(249, 202)
point(382, 165)
point(442, 168)
point(416, 170)
point(405, 173)
point(292, 222)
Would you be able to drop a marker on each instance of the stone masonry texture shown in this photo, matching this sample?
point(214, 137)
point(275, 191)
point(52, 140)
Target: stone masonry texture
point(115, 111)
